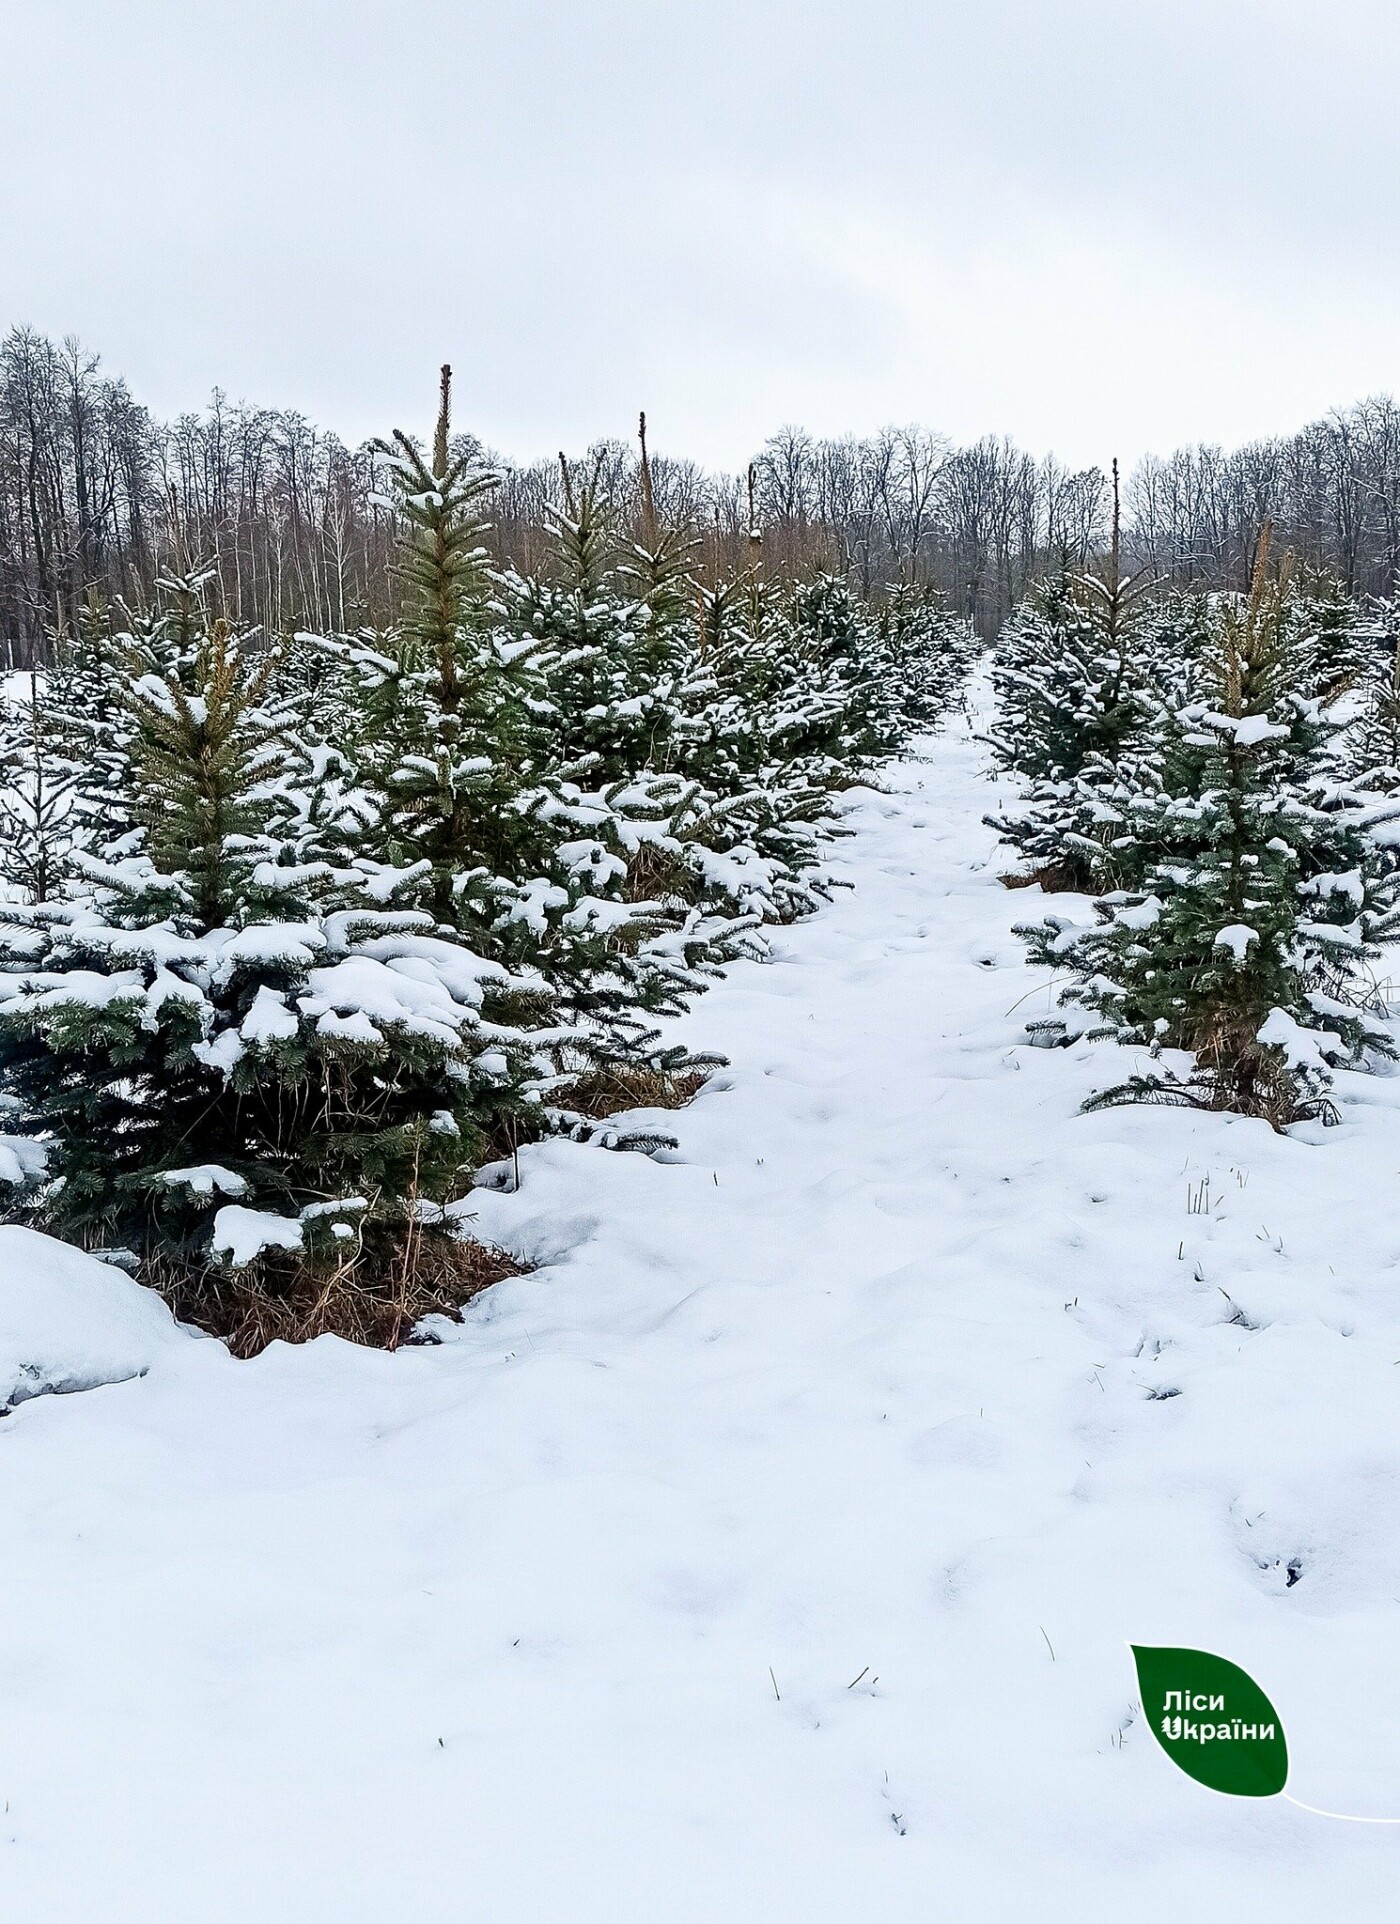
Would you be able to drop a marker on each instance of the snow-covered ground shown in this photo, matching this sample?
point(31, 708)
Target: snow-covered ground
point(770, 1552)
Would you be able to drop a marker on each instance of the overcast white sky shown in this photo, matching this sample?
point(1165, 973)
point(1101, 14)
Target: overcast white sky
point(1098, 226)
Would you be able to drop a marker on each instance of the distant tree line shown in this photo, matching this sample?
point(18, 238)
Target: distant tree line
point(98, 499)
point(1331, 492)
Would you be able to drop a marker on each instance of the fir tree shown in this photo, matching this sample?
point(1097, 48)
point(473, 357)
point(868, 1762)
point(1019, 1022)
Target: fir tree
point(231, 1050)
point(609, 659)
point(1330, 633)
point(925, 651)
point(1257, 906)
point(1072, 679)
point(38, 789)
point(63, 756)
point(445, 713)
point(661, 573)
point(1372, 744)
point(485, 735)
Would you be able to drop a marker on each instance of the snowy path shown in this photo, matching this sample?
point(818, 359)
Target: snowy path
point(769, 1553)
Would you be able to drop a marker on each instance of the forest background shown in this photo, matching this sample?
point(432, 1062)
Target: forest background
point(98, 496)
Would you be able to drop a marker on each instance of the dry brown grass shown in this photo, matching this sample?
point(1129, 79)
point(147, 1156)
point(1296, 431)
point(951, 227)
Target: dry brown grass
point(1056, 878)
point(657, 875)
point(608, 1091)
point(375, 1296)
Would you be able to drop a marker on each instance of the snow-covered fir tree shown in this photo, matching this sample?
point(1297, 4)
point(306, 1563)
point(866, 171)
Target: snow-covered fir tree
point(610, 656)
point(1371, 746)
point(64, 738)
point(490, 816)
point(39, 782)
point(1331, 632)
point(1075, 696)
point(232, 1052)
point(924, 651)
point(1258, 903)
point(445, 715)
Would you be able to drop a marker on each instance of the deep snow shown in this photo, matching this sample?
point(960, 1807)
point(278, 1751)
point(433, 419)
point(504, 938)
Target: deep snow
point(770, 1552)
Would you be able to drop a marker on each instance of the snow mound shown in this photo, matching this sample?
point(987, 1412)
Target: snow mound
point(242, 1234)
point(69, 1322)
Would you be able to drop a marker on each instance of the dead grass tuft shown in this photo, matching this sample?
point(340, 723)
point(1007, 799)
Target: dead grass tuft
point(1056, 878)
point(658, 875)
point(608, 1091)
point(374, 1296)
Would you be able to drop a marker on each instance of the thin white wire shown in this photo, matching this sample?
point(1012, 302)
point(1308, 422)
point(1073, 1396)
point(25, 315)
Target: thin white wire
point(1341, 1815)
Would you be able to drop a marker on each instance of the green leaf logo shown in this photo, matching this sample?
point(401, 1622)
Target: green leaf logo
point(1212, 1720)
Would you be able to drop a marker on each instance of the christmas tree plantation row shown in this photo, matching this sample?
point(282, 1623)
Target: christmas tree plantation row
point(1221, 773)
point(296, 936)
